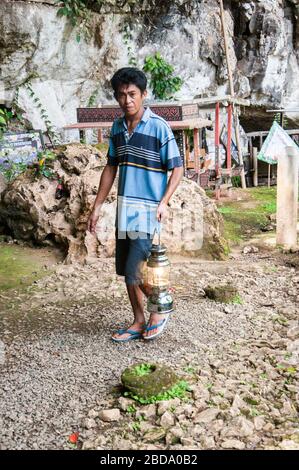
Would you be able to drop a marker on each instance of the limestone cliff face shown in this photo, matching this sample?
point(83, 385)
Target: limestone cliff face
point(38, 47)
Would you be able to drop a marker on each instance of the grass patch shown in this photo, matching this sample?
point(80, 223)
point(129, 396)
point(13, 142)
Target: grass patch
point(102, 147)
point(270, 207)
point(177, 391)
point(225, 210)
point(247, 217)
point(143, 369)
point(18, 268)
point(237, 300)
point(263, 193)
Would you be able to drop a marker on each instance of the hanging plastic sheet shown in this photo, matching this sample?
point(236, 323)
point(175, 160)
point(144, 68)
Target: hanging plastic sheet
point(276, 142)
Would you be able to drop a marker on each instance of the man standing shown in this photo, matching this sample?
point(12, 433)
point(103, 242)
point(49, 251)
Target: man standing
point(143, 146)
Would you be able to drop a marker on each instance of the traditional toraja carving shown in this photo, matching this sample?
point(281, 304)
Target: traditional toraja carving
point(107, 114)
point(169, 113)
point(98, 114)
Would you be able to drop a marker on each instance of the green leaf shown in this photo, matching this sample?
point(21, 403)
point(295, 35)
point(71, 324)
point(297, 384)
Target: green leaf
point(62, 11)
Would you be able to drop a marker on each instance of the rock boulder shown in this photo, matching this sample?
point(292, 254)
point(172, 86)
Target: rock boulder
point(30, 211)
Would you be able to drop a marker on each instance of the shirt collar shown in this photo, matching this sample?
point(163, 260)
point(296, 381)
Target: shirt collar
point(145, 117)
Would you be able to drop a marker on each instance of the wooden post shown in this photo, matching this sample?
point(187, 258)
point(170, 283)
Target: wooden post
point(229, 139)
point(255, 167)
point(185, 155)
point(196, 152)
point(261, 141)
point(217, 159)
point(82, 135)
point(250, 156)
point(287, 198)
point(232, 92)
point(100, 136)
point(187, 148)
point(239, 147)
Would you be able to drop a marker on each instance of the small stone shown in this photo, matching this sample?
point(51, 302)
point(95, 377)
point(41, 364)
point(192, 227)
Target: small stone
point(110, 415)
point(269, 427)
point(238, 405)
point(221, 293)
point(187, 441)
point(167, 404)
point(215, 364)
point(293, 333)
point(233, 444)
point(93, 414)
point(207, 416)
point(88, 445)
point(174, 435)
point(288, 444)
point(152, 447)
point(147, 412)
point(200, 392)
point(124, 444)
point(144, 426)
point(259, 423)
point(216, 426)
point(197, 431)
point(288, 409)
point(154, 434)
point(167, 420)
point(207, 442)
point(228, 309)
point(246, 428)
point(124, 403)
point(89, 423)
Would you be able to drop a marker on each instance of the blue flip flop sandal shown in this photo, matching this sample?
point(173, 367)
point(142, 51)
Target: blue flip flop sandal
point(160, 326)
point(133, 335)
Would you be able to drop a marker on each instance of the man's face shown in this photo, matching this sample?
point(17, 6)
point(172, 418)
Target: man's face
point(130, 99)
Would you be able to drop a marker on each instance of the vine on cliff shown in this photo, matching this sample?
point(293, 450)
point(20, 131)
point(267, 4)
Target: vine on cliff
point(164, 84)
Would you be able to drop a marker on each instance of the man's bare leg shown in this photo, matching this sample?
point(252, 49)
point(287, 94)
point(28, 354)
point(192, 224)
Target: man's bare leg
point(155, 318)
point(135, 293)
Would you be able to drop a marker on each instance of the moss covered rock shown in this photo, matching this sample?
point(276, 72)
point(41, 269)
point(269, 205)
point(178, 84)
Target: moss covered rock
point(222, 293)
point(148, 380)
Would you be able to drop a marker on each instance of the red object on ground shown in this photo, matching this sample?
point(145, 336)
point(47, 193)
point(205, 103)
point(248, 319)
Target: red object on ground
point(73, 438)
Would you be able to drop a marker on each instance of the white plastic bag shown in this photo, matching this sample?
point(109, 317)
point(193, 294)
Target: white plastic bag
point(276, 142)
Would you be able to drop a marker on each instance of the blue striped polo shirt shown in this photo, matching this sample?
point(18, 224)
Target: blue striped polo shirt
point(143, 157)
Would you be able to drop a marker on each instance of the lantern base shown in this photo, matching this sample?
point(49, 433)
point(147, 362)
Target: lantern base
point(160, 302)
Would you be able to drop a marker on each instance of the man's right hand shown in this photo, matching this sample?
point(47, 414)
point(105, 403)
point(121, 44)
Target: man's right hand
point(92, 221)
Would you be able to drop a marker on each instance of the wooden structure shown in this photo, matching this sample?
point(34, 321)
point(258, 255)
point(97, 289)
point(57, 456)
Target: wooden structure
point(229, 103)
point(182, 117)
point(259, 171)
point(188, 120)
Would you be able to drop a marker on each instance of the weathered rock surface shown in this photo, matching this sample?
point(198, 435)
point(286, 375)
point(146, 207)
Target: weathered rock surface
point(29, 208)
point(159, 380)
point(263, 41)
point(225, 293)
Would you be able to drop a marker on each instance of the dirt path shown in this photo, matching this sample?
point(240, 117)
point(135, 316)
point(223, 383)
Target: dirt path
point(59, 364)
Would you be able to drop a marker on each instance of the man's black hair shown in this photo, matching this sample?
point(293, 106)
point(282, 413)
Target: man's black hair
point(128, 76)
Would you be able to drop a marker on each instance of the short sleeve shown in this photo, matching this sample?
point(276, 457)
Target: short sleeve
point(112, 159)
point(169, 151)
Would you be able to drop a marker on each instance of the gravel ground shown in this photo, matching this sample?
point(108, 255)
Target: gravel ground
point(58, 362)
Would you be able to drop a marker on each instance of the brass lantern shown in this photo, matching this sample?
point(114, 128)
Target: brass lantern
point(157, 273)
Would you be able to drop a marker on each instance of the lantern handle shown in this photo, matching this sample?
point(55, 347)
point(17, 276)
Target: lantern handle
point(158, 231)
